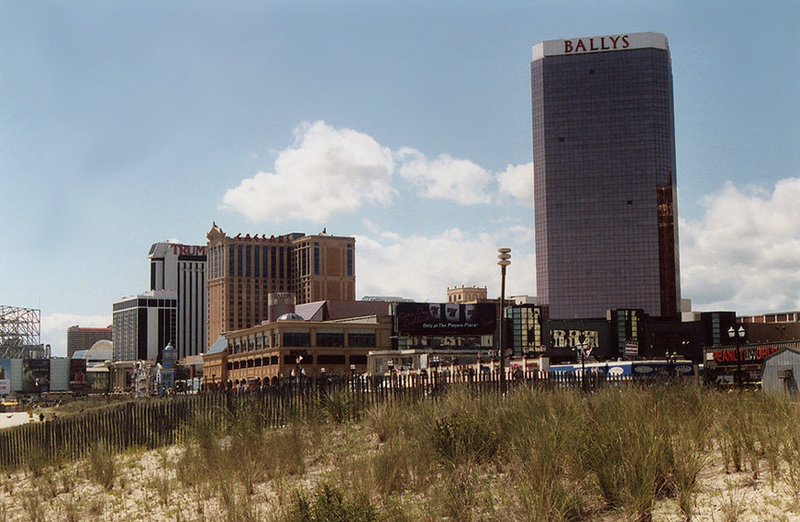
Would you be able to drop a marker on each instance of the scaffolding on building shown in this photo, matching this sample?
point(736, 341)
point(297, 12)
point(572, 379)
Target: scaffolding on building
point(20, 333)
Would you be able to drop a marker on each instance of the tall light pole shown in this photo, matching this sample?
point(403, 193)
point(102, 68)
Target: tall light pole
point(732, 334)
point(504, 259)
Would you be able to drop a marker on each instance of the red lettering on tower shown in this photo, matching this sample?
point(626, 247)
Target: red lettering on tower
point(614, 40)
point(580, 47)
point(625, 43)
point(591, 45)
point(567, 46)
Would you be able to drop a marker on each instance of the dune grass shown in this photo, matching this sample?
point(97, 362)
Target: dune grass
point(535, 454)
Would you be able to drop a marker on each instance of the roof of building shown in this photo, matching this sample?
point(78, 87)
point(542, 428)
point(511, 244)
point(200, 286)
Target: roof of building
point(291, 316)
point(219, 346)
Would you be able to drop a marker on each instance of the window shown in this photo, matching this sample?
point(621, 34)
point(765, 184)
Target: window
point(292, 359)
point(248, 260)
point(349, 260)
point(330, 339)
point(361, 340)
point(331, 359)
point(358, 359)
point(296, 339)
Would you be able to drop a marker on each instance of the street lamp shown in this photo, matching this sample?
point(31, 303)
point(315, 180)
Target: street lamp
point(732, 334)
point(504, 259)
point(781, 329)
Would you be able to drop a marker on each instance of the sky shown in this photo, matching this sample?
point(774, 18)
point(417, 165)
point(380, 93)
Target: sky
point(404, 124)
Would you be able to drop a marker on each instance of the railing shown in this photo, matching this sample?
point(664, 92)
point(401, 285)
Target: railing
point(153, 423)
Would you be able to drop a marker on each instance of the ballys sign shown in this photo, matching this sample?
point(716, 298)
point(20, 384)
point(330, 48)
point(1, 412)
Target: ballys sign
point(597, 43)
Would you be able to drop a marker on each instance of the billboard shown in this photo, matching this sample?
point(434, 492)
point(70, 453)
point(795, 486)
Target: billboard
point(445, 318)
point(5, 376)
point(36, 376)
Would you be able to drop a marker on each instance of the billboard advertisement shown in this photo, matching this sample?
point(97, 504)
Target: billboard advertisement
point(5, 376)
point(77, 374)
point(35, 376)
point(445, 319)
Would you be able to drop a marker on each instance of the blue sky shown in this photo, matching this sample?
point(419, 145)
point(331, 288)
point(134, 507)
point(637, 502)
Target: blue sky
point(405, 124)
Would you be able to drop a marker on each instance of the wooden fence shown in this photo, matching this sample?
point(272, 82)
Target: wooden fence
point(153, 423)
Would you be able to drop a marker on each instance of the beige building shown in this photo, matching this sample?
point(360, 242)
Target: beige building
point(466, 294)
point(243, 270)
point(272, 350)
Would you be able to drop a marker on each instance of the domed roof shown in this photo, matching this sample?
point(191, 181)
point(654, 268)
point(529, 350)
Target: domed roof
point(291, 316)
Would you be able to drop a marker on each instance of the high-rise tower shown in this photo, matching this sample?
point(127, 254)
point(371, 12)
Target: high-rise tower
point(604, 176)
point(244, 270)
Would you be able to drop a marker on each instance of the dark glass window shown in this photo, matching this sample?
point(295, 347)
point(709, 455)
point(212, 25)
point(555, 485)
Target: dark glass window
point(330, 339)
point(349, 261)
point(331, 359)
point(248, 252)
point(361, 340)
point(358, 359)
point(296, 339)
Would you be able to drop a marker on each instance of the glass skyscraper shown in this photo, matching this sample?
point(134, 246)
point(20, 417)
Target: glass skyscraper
point(604, 176)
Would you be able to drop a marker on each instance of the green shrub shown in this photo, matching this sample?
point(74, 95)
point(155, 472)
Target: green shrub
point(463, 435)
point(327, 503)
point(338, 406)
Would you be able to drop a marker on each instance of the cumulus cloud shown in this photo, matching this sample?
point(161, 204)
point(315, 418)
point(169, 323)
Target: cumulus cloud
point(743, 253)
point(327, 171)
point(517, 182)
point(331, 171)
point(422, 267)
point(445, 178)
point(54, 329)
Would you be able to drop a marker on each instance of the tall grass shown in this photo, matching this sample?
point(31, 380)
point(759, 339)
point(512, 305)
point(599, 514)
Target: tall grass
point(533, 454)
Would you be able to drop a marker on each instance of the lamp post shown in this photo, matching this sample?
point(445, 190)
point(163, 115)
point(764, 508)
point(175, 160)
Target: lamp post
point(504, 259)
point(732, 334)
point(582, 352)
point(781, 329)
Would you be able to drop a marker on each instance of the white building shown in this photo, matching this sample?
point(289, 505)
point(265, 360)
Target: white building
point(172, 311)
point(182, 269)
point(143, 325)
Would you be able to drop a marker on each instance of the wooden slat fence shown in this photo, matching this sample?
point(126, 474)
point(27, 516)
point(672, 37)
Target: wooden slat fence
point(153, 423)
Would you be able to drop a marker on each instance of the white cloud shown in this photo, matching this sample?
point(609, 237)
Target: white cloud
point(445, 178)
point(54, 329)
point(744, 254)
point(422, 268)
point(337, 171)
point(327, 171)
point(517, 182)
point(371, 226)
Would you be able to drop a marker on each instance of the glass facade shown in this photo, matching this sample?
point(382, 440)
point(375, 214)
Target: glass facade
point(604, 183)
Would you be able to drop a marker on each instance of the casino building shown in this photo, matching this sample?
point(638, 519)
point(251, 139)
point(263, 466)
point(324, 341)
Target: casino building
point(182, 268)
point(80, 338)
point(331, 338)
point(244, 270)
point(604, 179)
point(172, 311)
